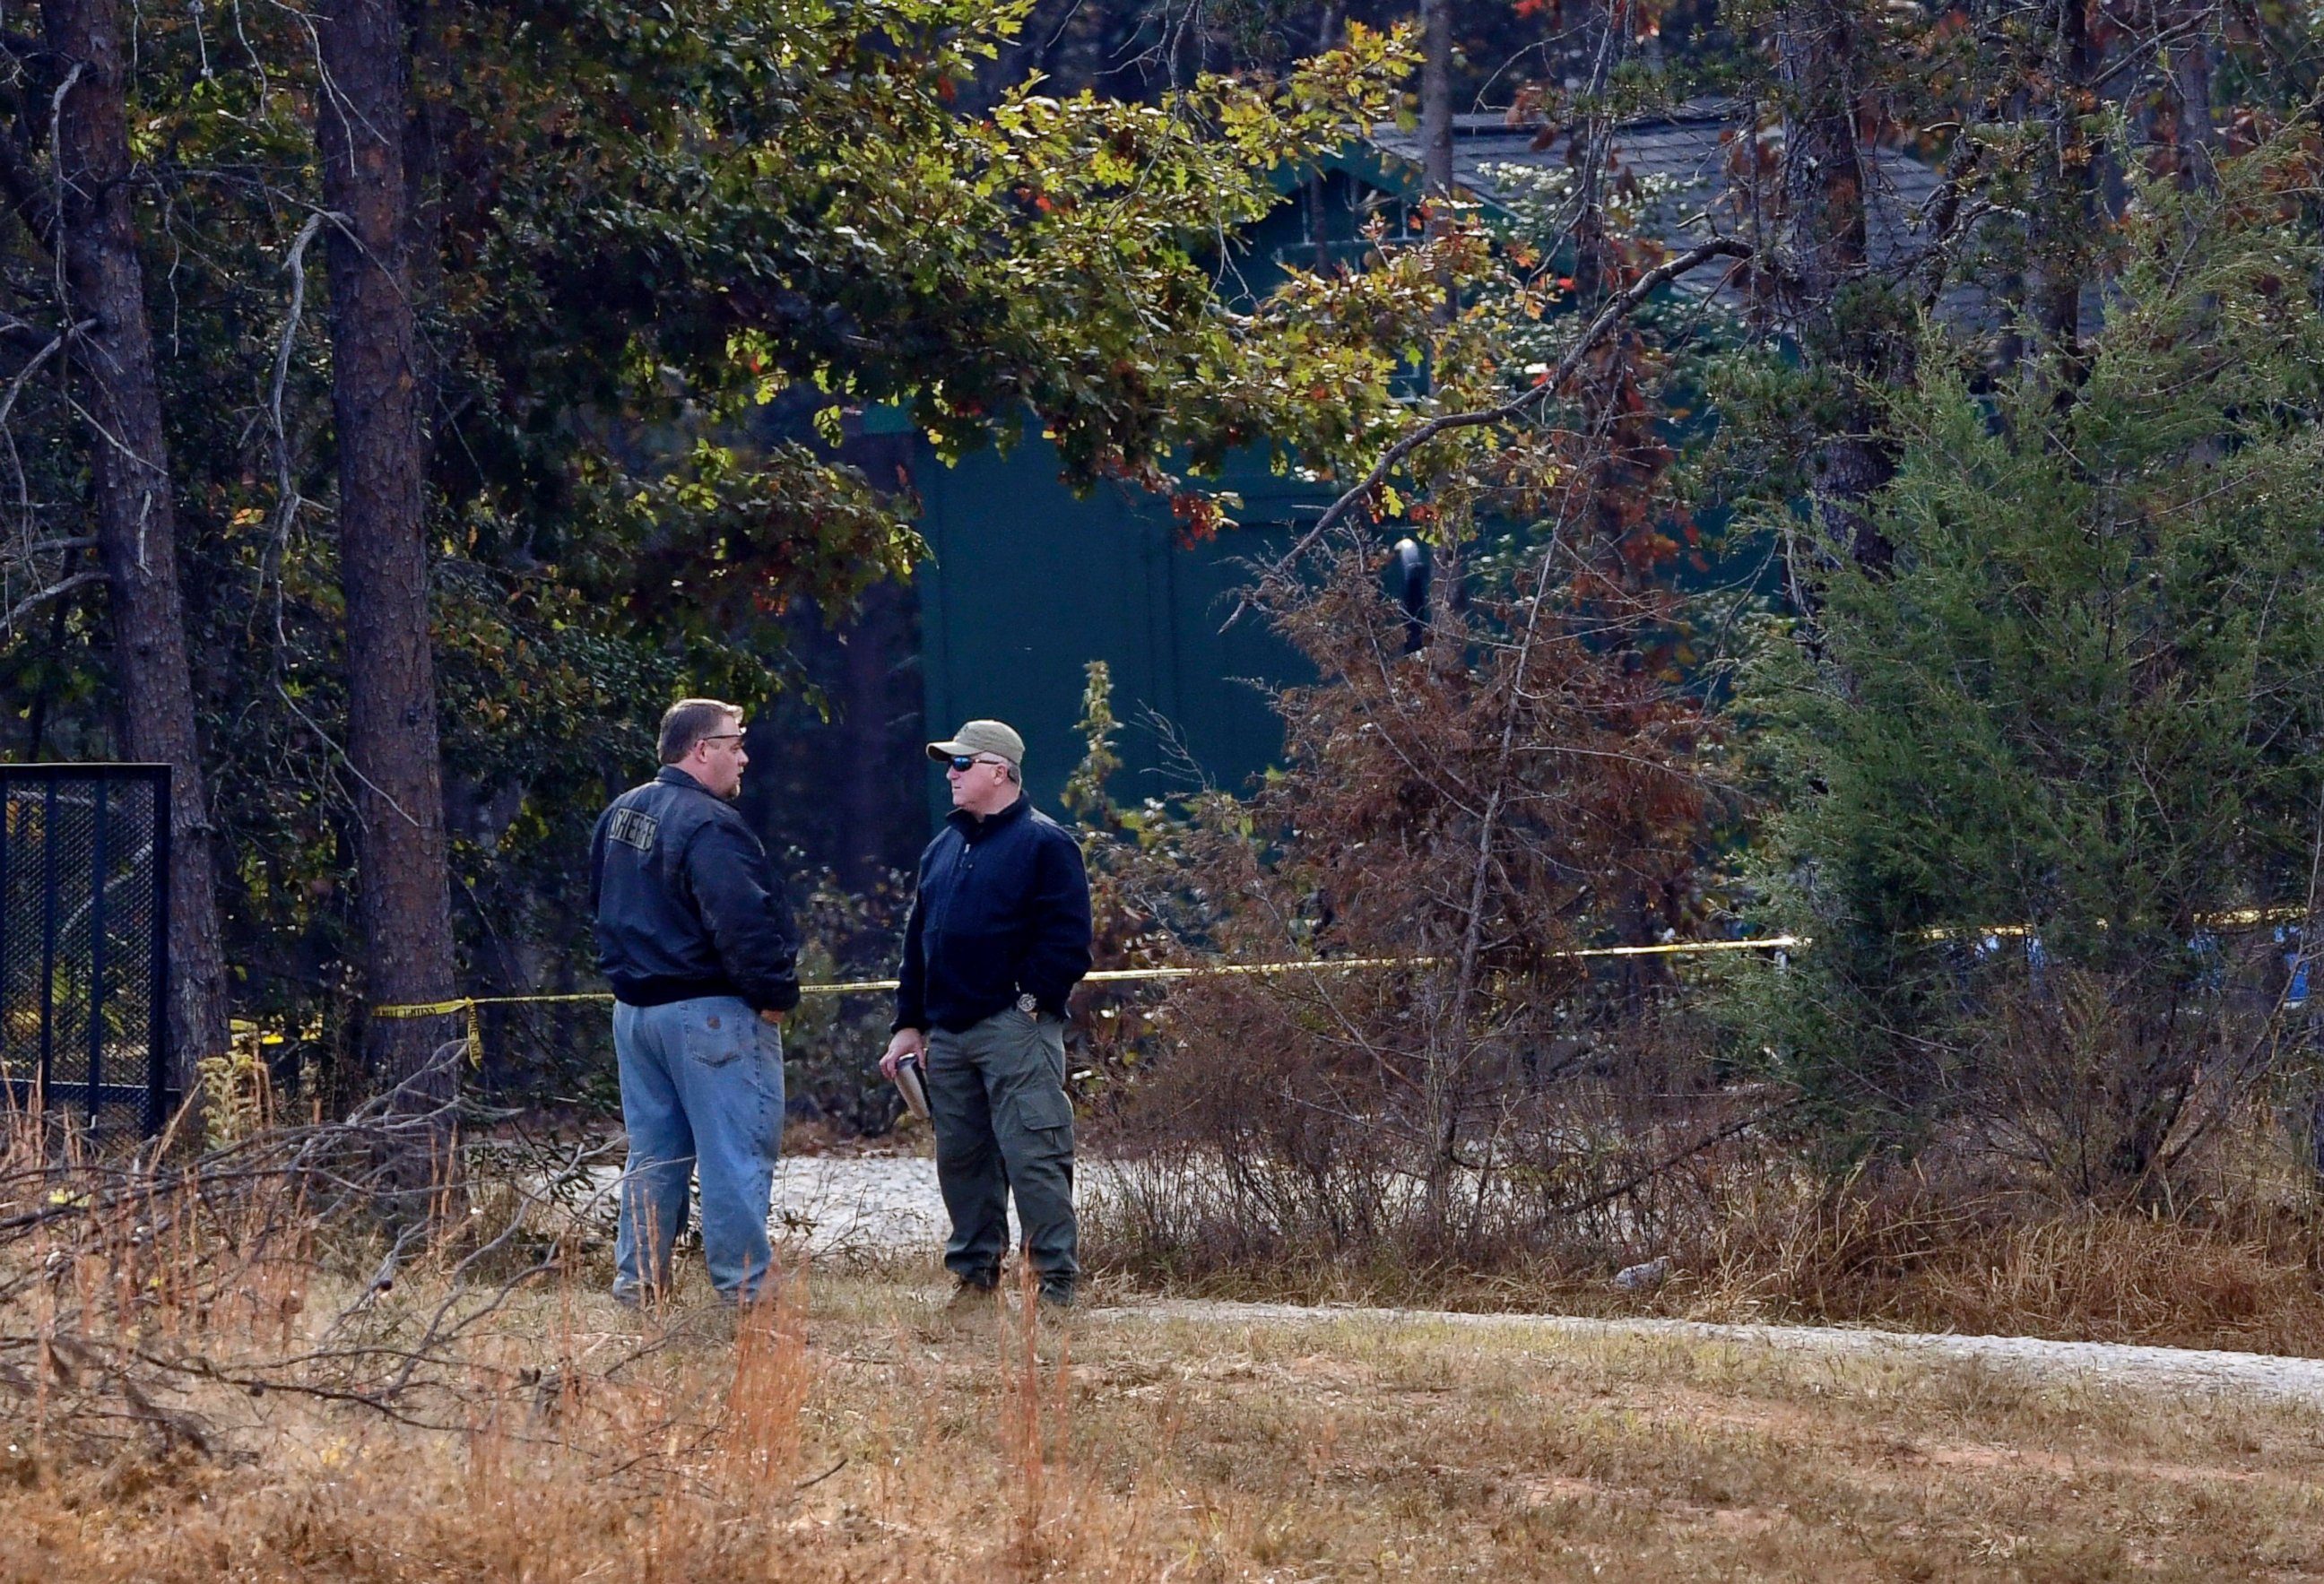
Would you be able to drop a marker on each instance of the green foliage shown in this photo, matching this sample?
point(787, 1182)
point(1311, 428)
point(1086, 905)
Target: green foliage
point(1085, 795)
point(2089, 701)
point(794, 199)
point(659, 239)
point(831, 1042)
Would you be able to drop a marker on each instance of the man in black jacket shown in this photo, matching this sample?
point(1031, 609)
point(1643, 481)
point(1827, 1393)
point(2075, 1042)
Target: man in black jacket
point(695, 938)
point(998, 936)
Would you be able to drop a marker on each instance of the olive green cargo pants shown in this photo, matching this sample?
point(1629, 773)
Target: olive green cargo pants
point(997, 1096)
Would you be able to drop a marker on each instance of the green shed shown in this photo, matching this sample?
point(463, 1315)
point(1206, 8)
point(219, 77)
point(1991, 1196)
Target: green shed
point(1028, 584)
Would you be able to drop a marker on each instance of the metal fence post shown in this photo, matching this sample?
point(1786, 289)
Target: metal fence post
point(48, 939)
point(97, 879)
point(157, 1065)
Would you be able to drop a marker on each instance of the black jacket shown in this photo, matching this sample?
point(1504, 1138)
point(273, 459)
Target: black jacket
point(685, 904)
point(1004, 907)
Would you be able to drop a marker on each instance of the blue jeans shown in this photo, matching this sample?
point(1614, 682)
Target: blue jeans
point(702, 1092)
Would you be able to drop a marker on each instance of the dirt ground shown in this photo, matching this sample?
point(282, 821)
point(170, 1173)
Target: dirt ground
point(875, 1435)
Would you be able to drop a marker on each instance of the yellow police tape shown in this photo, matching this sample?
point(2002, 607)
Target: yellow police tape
point(468, 1005)
point(2234, 918)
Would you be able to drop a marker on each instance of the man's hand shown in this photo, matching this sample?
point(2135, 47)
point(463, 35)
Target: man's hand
point(769, 1015)
point(908, 1042)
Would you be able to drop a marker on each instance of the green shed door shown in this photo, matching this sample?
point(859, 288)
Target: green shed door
point(1028, 583)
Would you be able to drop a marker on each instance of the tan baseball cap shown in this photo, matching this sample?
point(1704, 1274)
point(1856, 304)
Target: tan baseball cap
point(982, 737)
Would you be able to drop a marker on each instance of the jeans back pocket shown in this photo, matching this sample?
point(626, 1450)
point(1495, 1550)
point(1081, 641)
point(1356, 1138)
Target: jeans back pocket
point(716, 1034)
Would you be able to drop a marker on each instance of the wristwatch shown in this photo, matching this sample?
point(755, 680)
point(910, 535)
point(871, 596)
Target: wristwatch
point(1028, 1004)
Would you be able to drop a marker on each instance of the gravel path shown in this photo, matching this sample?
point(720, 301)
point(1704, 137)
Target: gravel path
point(889, 1203)
point(859, 1203)
point(2299, 1380)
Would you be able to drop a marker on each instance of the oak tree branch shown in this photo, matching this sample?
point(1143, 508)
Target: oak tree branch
point(1617, 309)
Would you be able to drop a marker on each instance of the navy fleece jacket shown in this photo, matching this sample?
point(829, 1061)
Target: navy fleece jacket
point(1003, 909)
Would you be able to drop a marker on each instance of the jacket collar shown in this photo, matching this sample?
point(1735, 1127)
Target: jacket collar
point(976, 830)
point(671, 776)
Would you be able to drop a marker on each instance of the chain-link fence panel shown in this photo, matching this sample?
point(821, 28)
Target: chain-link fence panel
point(84, 940)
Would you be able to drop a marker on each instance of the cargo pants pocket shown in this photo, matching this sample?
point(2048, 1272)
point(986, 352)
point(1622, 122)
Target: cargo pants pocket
point(1038, 1087)
point(1041, 1109)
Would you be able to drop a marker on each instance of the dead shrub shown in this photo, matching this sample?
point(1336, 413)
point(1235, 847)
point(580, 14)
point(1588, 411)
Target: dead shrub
point(1474, 1115)
point(2108, 1089)
point(1753, 1227)
point(1456, 820)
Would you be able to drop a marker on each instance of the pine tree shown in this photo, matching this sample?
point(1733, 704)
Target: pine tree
point(2087, 701)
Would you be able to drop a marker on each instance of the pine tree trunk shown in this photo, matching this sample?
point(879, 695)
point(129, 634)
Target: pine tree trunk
point(2194, 132)
point(94, 232)
point(1826, 254)
point(2065, 222)
point(376, 396)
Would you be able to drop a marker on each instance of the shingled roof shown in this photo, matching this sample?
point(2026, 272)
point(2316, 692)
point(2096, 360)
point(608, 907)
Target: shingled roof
point(1689, 150)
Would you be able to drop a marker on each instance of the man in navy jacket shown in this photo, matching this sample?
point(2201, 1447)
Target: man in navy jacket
point(694, 937)
point(998, 936)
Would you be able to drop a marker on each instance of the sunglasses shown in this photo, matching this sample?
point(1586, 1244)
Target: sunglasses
point(964, 762)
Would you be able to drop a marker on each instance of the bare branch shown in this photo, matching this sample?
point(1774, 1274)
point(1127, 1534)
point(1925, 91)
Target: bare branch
point(1617, 308)
point(30, 602)
point(54, 546)
point(287, 499)
point(1648, 1172)
point(57, 169)
point(25, 191)
point(32, 366)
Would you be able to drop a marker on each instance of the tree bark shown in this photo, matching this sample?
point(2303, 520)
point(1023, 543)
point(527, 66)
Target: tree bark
point(94, 233)
point(1825, 254)
point(1436, 96)
point(2194, 131)
point(2064, 226)
point(361, 126)
point(1436, 124)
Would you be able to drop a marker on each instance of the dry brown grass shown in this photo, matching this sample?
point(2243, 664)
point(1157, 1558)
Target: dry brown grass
point(864, 1435)
point(2005, 1269)
point(1757, 1235)
point(207, 1378)
point(2237, 1267)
